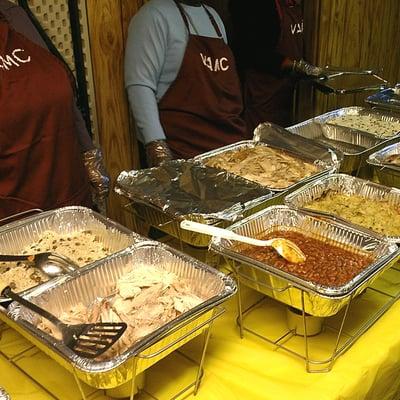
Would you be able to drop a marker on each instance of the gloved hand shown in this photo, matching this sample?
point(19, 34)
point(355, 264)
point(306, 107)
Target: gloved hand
point(304, 68)
point(98, 176)
point(157, 152)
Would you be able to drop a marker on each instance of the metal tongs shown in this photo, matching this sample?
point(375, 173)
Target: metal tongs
point(284, 247)
point(86, 340)
point(51, 264)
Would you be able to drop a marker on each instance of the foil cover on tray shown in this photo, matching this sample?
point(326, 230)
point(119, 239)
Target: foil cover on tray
point(98, 281)
point(319, 300)
point(16, 236)
point(187, 189)
point(345, 184)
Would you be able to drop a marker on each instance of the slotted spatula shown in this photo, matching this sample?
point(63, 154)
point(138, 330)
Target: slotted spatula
point(86, 340)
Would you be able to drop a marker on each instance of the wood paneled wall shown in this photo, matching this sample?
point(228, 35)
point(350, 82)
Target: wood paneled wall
point(354, 33)
point(108, 22)
point(350, 33)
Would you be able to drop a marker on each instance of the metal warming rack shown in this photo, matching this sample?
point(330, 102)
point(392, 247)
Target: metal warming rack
point(312, 301)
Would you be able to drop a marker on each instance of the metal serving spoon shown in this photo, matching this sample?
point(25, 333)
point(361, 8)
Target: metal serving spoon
point(86, 340)
point(284, 247)
point(51, 264)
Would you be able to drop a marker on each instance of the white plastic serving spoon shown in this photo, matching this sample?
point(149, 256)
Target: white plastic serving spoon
point(284, 247)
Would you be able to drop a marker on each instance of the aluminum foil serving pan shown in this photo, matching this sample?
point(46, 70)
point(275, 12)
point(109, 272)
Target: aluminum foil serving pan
point(355, 145)
point(179, 189)
point(15, 237)
point(278, 138)
point(349, 186)
point(319, 300)
point(386, 172)
point(98, 281)
point(388, 99)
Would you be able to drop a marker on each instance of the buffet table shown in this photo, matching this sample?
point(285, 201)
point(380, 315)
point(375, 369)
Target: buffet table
point(238, 368)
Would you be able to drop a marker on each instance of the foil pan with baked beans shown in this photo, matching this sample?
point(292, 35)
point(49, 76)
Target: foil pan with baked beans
point(319, 300)
point(350, 186)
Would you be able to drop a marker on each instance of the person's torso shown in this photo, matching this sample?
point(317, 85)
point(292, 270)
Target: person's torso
point(177, 36)
point(41, 162)
point(292, 26)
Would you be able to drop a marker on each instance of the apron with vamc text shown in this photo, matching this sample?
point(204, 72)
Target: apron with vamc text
point(41, 163)
point(202, 108)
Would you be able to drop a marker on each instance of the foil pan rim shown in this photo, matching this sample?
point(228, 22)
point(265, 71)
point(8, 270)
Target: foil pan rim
point(393, 252)
point(93, 366)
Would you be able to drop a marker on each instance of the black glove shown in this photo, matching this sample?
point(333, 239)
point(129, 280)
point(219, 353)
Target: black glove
point(302, 67)
point(157, 152)
point(98, 176)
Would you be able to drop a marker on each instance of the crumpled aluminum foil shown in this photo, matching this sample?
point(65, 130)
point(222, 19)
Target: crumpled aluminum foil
point(182, 188)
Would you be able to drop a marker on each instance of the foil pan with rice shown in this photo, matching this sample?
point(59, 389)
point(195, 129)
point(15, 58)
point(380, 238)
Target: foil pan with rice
point(75, 232)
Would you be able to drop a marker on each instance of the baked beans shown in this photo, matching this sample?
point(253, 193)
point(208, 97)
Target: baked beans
point(326, 263)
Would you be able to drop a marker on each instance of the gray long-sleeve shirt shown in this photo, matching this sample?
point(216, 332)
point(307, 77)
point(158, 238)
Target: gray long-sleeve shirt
point(155, 48)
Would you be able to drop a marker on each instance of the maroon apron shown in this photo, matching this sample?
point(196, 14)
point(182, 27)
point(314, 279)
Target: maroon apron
point(268, 97)
point(40, 158)
point(201, 110)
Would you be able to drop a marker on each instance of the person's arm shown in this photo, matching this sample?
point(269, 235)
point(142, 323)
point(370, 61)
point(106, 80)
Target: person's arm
point(144, 59)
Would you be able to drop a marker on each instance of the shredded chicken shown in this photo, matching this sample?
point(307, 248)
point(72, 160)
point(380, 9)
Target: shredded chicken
point(267, 166)
point(146, 299)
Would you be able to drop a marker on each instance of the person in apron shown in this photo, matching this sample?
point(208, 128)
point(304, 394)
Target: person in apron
point(268, 39)
point(42, 162)
point(202, 106)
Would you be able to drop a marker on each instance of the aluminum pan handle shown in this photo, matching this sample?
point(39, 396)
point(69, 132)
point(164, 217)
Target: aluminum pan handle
point(219, 232)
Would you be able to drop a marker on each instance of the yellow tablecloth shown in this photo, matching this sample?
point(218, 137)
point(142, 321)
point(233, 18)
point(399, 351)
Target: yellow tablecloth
point(238, 368)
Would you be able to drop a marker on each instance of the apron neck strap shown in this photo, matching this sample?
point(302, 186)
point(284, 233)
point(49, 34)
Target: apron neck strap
point(210, 16)
point(279, 9)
